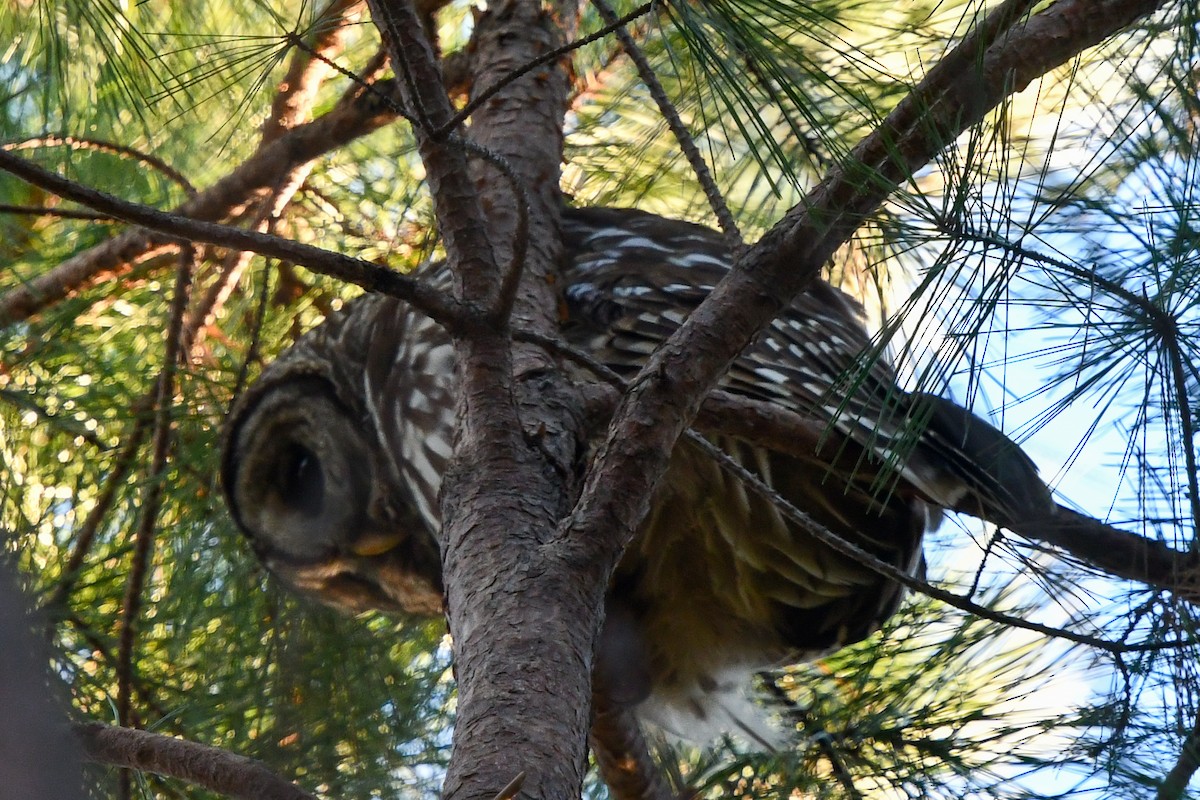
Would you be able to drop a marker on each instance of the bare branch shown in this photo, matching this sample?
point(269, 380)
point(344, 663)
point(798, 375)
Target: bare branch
point(212, 768)
point(457, 203)
point(99, 145)
point(298, 89)
point(371, 277)
point(357, 114)
point(622, 756)
point(86, 534)
point(957, 93)
point(143, 540)
point(60, 213)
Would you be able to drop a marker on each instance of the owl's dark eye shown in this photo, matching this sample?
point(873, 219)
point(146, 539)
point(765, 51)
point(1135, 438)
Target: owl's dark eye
point(302, 480)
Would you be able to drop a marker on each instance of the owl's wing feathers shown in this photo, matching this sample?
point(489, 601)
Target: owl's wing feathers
point(816, 358)
point(756, 584)
point(333, 463)
point(894, 459)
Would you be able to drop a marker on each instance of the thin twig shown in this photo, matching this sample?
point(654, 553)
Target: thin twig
point(61, 213)
point(99, 145)
point(299, 87)
point(511, 789)
point(733, 236)
point(104, 501)
point(143, 548)
point(260, 315)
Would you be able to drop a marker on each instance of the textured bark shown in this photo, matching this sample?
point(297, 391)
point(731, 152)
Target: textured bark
point(524, 621)
point(209, 767)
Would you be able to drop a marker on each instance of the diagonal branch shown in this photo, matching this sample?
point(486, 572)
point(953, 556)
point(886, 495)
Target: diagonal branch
point(212, 768)
point(622, 756)
point(175, 227)
point(733, 236)
point(143, 539)
point(957, 93)
point(298, 89)
point(357, 114)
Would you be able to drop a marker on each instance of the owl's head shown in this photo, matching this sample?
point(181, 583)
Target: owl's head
point(309, 472)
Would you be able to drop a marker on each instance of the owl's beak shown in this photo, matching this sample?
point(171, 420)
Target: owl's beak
point(375, 543)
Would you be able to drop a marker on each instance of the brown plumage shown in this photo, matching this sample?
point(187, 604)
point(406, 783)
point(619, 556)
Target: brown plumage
point(334, 458)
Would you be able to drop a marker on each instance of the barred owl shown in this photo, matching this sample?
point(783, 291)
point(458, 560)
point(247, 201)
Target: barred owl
point(333, 462)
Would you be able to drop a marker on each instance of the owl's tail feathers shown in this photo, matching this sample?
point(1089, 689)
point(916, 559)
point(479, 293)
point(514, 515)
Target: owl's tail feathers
point(965, 464)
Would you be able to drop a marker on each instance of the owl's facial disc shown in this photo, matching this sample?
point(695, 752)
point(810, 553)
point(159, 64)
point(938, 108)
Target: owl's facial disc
point(299, 474)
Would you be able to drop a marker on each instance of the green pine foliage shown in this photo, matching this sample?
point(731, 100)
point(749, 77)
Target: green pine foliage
point(1044, 268)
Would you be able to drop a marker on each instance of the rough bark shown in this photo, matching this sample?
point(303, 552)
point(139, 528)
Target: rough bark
point(214, 769)
point(524, 622)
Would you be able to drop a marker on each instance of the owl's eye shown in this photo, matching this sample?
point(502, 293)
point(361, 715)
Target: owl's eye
point(301, 480)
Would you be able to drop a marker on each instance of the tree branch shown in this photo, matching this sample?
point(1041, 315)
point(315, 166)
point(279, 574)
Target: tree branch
point(687, 145)
point(956, 94)
point(212, 768)
point(298, 89)
point(170, 226)
point(356, 114)
point(143, 539)
point(621, 754)
point(513, 475)
point(101, 146)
